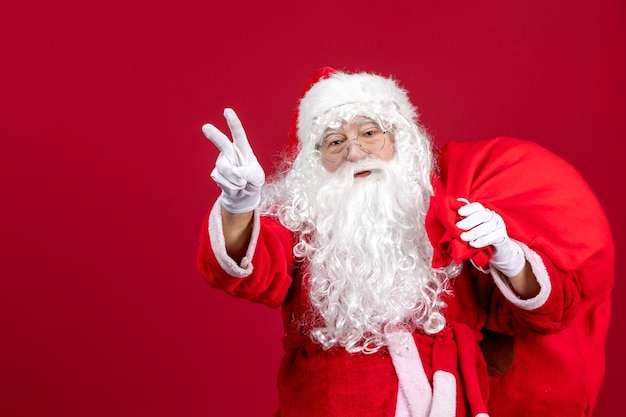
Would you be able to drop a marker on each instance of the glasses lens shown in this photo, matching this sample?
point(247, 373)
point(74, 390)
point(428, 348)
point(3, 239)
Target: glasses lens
point(371, 139)
point(334, 147)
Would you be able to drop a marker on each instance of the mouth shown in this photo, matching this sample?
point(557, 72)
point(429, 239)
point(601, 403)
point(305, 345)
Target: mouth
point(362, 174)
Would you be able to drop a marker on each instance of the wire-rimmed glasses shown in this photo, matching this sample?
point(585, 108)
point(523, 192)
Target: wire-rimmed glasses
point(335, 146)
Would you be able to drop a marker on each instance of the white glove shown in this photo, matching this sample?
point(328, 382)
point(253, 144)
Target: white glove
point(485, 227)
point(237, 171)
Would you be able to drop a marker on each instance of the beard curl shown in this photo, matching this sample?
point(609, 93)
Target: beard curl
point(365, 244)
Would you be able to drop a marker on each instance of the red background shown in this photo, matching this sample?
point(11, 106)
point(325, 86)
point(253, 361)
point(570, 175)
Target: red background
point(104, 170)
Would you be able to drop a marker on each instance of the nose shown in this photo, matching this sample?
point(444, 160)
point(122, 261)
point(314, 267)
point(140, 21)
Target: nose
point(355, 153)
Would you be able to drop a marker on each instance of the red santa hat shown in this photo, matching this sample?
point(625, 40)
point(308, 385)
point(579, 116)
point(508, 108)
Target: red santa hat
point(328, 89)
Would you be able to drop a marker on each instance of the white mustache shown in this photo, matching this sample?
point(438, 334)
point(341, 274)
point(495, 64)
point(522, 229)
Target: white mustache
point(374, 165)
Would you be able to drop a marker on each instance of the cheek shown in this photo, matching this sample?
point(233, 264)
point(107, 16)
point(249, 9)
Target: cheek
point(386, 153)
point(330, 167)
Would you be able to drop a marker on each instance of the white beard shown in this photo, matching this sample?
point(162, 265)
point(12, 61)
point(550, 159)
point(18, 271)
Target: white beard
point(364, 243)
point(369, 259)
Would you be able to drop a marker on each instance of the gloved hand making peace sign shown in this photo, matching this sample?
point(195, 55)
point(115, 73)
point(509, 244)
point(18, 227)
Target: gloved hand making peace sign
point(237, 171)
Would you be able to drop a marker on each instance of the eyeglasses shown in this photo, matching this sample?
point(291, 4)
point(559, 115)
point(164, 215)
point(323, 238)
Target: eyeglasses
point(335, 147)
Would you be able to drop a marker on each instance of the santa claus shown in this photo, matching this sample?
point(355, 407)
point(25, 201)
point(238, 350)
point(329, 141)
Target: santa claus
point(410, 279)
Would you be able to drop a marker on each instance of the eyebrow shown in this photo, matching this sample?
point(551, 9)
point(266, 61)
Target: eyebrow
point(358, 123)
point(365, 121)
point(331, 132)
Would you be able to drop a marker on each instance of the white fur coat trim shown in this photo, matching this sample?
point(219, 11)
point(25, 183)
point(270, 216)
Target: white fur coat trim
point(541, 273)
point(444, 395)
point(216, 235)
point(414, 390)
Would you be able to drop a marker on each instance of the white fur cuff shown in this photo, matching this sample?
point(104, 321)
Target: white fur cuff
point(541, 273)
point(216, 235)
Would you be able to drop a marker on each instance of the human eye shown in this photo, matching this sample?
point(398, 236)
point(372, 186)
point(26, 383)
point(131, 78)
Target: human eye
point(370, 132)
point(334, 143)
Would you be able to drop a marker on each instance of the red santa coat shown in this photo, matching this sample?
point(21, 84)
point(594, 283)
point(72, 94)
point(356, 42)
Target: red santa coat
point(549, 328)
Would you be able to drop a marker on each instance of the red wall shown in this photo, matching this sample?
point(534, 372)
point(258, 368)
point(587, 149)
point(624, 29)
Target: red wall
point(104, 170)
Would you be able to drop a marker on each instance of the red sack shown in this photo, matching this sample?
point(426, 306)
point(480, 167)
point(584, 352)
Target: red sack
point(548, 206)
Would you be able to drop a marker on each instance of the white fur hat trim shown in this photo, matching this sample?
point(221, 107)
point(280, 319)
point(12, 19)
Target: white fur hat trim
point(342, 88)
